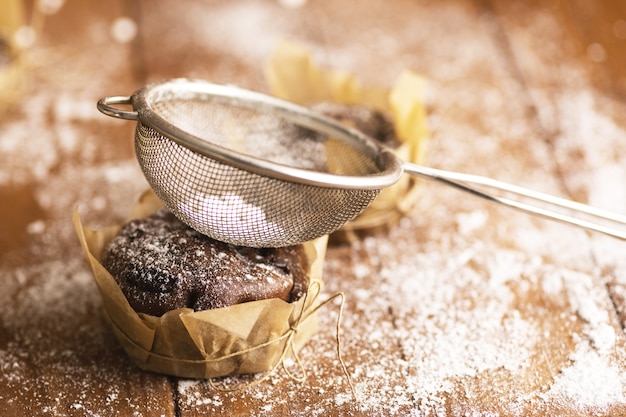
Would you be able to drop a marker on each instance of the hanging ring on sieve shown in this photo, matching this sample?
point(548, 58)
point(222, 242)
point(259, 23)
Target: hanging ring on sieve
point(105, 105)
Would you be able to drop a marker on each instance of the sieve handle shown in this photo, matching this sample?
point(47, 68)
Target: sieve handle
point(105, 105)
point(553, 208)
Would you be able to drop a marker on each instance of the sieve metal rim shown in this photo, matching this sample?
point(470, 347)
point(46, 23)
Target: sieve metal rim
point(390, 167)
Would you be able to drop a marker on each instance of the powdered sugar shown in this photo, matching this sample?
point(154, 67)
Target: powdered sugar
point(230, 216)
point(459, 309)
point(590, 382)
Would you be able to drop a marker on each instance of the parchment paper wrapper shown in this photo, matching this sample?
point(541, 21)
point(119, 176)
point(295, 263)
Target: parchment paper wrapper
point(292, 75)
point(245, 338)
point(11, 60)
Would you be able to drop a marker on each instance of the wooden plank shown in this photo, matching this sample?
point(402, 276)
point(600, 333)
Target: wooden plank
point(602, 30)
point(59, 358)
point(462, 308)
point(57, 355)
point(567, 90)
point(586, 120)
point(483, 324)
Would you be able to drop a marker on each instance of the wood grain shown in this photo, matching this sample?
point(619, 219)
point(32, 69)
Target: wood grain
point(462, 308)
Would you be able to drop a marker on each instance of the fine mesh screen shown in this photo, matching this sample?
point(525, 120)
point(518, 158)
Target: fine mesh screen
point(238, 206)
point(264, 134)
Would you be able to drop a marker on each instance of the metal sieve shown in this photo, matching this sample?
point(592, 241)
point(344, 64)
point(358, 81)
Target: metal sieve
point(253, 170)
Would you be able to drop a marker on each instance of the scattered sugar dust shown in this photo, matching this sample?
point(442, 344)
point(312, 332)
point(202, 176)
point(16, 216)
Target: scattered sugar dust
point(590, 382)
point(441, 316)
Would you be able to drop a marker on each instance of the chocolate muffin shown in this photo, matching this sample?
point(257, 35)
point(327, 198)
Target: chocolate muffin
point(161, 264)
point(371, 122)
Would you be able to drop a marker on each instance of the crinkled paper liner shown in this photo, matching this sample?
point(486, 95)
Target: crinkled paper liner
point(240, 339)
point(11, 19)
point(292, 75)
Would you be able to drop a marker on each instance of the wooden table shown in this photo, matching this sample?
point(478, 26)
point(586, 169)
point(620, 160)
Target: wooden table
point(463, 308)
